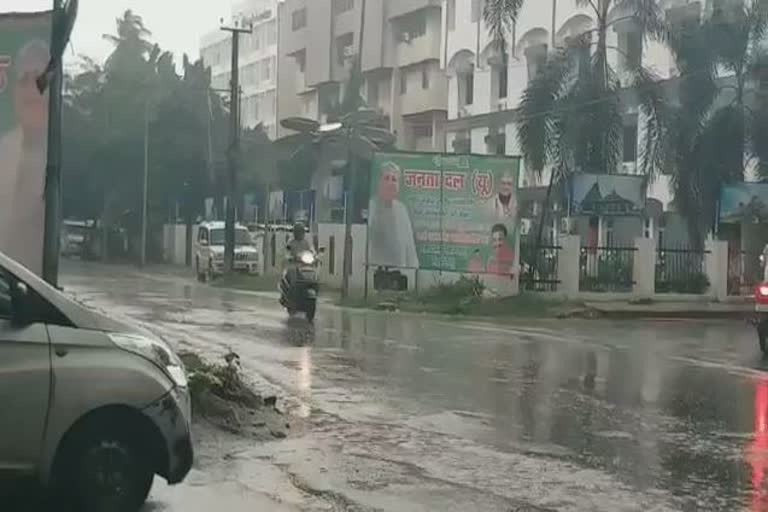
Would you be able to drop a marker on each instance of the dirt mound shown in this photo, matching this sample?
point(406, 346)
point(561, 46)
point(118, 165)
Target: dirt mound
point(222, 397)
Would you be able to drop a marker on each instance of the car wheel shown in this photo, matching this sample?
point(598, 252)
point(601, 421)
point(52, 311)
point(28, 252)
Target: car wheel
point(106, 472)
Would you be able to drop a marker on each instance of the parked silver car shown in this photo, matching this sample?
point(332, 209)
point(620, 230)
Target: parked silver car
point(91, 407)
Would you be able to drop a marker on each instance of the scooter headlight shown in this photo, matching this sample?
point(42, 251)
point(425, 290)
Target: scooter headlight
point(307, 258)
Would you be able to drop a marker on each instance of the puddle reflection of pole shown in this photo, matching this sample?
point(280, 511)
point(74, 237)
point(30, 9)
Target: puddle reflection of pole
point(305, 381)
point(757, 450)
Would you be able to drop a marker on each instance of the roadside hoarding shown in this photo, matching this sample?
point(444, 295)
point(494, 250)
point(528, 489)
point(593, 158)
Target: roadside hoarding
point(453, 213)
point(24, 54)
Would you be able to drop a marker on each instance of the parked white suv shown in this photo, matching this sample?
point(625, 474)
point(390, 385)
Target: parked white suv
point(209, 250)
point(91, 407)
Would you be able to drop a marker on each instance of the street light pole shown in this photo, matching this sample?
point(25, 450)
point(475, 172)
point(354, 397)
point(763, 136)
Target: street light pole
point(144, 207)
point(234, 147)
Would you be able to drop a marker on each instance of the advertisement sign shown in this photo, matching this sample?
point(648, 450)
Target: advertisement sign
point(24, 54)
point(607, 194)
point(744, 202)
point(454, 213)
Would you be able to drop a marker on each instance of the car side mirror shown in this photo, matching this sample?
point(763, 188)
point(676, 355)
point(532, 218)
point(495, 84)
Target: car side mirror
point(322, 250)
point(21, 315)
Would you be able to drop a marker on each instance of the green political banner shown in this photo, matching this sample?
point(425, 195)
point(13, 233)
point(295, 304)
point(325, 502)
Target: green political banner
point(24, 56)
point(454, 213)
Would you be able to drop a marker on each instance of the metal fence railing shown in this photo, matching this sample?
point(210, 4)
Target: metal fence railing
point(539, 267)
point(606, 269)
point(680, 269)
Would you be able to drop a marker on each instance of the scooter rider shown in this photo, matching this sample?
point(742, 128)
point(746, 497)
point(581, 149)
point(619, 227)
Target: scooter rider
point(298, 245)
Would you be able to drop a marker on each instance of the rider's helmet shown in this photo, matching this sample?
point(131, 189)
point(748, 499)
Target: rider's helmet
point(299, 231)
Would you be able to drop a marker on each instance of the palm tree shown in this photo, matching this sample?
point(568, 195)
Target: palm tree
point(570, 115)
point(131, 33)
point(720, 120)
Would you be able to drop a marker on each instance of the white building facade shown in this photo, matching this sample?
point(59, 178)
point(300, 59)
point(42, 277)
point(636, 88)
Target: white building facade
point(484, 91)
point(258, 62)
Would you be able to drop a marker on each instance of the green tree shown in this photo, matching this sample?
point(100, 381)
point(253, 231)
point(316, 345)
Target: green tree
point(719, 120)
point(570, 115)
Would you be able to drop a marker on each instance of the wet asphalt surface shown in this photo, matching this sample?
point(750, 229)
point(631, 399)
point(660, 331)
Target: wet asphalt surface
point(416, 413)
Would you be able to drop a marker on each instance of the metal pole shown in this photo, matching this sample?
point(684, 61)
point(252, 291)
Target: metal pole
point(53, 173)
point(234, 148)
point(144, 207)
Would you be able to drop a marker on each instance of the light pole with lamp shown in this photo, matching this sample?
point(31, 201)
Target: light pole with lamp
point(360, 135)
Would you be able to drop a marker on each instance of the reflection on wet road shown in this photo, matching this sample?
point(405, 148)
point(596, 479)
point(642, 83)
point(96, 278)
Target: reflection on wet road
point(417, 413)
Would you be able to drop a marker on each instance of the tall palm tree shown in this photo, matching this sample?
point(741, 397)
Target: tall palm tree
point(720, 119)
point(570, 116)
point(131, 32)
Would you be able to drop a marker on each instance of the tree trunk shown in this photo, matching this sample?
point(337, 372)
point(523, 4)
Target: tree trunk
point(540, 229)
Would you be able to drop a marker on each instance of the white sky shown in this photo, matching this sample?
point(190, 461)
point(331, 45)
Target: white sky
point(176, 25)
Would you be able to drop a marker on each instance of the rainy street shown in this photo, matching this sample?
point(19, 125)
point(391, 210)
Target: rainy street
point(404, 413)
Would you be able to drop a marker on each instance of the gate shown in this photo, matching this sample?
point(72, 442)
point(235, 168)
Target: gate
point(538, 267)
point(606, 269)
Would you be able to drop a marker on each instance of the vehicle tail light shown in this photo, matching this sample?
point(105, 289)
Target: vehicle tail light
point(761, 293)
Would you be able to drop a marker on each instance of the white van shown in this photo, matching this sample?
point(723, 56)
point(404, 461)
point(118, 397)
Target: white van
point(91, 407)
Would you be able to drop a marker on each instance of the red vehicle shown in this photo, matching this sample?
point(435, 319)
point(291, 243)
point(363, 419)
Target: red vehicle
point(761, 309)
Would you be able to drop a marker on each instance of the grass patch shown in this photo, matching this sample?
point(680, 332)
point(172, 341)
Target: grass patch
point(247, 282)
point(467, 297)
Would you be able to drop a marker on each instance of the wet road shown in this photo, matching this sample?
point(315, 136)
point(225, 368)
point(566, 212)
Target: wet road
point(408, 413)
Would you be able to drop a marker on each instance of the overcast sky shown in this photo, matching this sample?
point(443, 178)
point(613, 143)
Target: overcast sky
point(175, 24)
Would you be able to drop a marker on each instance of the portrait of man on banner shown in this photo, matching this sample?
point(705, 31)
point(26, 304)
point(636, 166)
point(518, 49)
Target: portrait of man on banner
point(23, 138)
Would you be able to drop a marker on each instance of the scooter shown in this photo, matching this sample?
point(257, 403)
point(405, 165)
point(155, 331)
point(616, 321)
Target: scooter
point(299, 286)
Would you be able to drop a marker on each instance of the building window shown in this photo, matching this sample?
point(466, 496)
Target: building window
point(403, 82)
point(423, 131)
point(345, 47)
point(501, 143)
point(299, 19)
point(340, 6)
point(503, 71)
point(462, 143)
point(536, 59)
point(451, 14)
point(469, 86)
point(413, 26)
point(496, 142)
point(631, 49)
point(424, 78)
point(630, 143)
point(301, 60)
point(477, 10)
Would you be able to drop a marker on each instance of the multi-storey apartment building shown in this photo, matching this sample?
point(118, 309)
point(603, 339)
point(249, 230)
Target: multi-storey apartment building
point(258, 62)
point(319, 40)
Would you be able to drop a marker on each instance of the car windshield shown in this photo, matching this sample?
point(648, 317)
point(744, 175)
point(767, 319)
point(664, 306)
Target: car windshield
point(242, 237)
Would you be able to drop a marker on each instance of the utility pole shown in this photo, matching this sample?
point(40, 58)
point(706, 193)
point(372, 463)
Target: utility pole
point(351, 165)
point(234, 146)
point(144, 207)
point(53, 171)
